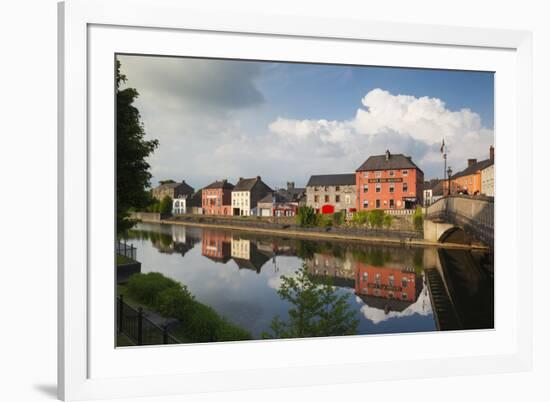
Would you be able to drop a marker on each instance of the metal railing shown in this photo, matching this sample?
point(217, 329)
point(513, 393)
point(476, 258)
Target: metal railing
point(474, 214)
point(138, 328)
point(126, 250)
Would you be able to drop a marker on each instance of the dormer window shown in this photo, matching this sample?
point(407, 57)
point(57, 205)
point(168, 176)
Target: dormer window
point(405, 172)
point(378, 173)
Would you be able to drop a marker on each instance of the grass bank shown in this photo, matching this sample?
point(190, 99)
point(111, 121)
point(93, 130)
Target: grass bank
point(197, 321)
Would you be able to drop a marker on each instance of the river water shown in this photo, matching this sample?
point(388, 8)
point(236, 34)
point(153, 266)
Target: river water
point(238, 274)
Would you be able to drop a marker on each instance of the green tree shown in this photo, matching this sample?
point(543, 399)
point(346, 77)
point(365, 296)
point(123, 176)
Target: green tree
point(418, 219)
point(133, 175)
point(388, 220)
point(376, 218)
point(317, 309)
point(306, 216)
point(360, 217)
point(165, 208)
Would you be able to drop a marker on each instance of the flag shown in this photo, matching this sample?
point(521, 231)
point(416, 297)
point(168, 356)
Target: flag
point(442, 146)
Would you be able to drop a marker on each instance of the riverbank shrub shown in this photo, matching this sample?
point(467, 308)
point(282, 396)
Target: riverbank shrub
point(376, 218)
point(146, 288)
point(198, 322)
point(339, 218)
point(360, 218)
point(388, 220)
point(418, 219)
point(306, 216)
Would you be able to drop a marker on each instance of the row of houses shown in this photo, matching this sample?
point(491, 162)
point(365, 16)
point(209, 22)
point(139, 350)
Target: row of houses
point(478, 178)
point(391, 182)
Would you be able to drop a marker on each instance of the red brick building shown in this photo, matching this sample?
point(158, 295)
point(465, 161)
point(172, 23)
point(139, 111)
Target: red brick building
point(389, 182)
point(216, 198)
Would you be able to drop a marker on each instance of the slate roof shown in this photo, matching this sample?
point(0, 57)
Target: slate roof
point(185, 188)
point(223, 184)
point(274, 198)
point(395, 161)
point(293, 194)
point(476, 167)
point(347, 179)
point(248, 184)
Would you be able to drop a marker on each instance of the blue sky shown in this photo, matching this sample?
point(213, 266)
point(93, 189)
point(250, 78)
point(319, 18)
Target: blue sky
point(286, 121)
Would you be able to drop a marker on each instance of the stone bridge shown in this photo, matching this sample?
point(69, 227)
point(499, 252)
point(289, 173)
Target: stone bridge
point(460, 219)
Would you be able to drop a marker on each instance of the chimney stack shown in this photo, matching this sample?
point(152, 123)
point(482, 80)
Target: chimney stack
point(290, 185)
point(471, 162)
point(387, 154)
point(492, 153)
point(259, 177)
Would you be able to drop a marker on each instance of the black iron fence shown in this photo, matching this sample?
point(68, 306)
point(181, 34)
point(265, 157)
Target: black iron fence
point(138, 328)
point(126, 250)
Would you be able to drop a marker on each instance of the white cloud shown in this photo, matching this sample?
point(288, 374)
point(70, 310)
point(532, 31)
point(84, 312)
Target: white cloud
point(422, 306)
point(401, 123)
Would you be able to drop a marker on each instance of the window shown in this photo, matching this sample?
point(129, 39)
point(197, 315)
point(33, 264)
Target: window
point(365, 276)
point(366, 175)
point(392, 188)
point(315, 188)
point(405, 172)
point(326, 198)
point(404, 296)
point(378, 280)
point(391, 280)
point(326, 188)
point(337, 198)
point(348, 199)
point(391, 173)
point(365, 203)
point(378, 174)
point(405, 187)
point(392, 204)
point(365, 188)
point(316, 198)
point(337, 188)
point(378, 187)
point(377, 203)
point(404, 282)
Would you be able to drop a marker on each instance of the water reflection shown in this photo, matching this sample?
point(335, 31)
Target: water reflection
point(238, 274)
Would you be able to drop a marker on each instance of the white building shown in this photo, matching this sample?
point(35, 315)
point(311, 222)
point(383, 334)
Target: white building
point(179, 206)
point(246, 194)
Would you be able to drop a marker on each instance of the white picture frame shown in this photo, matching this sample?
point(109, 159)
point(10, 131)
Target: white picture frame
point(92, 31)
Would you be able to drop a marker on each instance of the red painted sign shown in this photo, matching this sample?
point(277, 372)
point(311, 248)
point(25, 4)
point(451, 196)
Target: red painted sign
point(327, 209)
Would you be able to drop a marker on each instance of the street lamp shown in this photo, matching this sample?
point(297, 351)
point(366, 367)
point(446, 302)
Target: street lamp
point(449, 173)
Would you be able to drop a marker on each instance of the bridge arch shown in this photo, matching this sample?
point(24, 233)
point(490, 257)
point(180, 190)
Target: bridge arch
point(456, 235)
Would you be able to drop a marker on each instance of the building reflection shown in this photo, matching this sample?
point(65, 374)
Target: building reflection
point(382, 278)
point(216, 245)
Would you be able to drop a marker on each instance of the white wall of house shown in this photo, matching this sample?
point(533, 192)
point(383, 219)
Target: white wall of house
point(241, 200)
point(179, 206)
